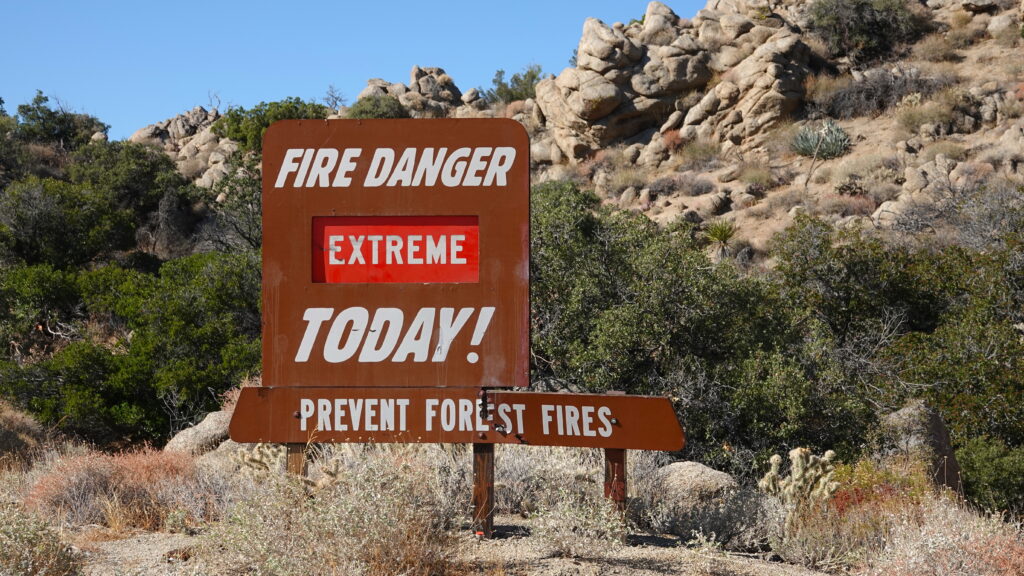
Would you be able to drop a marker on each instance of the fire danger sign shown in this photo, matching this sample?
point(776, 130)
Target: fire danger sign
point(395, 253)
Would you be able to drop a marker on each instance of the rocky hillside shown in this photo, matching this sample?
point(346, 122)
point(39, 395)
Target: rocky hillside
point(697, 117)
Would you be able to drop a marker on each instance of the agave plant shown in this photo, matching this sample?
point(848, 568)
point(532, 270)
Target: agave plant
point(824, 142)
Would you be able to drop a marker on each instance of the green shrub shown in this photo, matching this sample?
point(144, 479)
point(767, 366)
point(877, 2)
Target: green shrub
point(825, 142)
point(377, 107)
point(521, 86)
point(61, 223)
point(993, 474)
point(130, 176)
point(247, 126)
point(865, 29)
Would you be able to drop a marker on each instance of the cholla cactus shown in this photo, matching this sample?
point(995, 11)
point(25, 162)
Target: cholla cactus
point(809, 480)
point(262, 459)
point(270, 459)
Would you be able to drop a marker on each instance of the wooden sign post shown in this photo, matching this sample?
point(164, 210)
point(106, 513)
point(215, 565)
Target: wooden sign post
point(396, 301)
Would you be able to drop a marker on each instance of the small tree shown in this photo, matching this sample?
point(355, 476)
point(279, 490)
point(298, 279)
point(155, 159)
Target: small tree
point(521, 86)
point(39, 123)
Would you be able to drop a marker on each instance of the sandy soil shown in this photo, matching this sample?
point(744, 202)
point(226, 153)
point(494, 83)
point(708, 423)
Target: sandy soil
point(512, 552)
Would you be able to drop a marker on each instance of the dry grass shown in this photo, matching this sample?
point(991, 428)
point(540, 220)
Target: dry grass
point(821, 88)
point(136, 490)
point(630, 176)
point(936, 48)
point(966, 36)
point(699, 155)
point(912, 117)
point(776, 204)
point(21, 437)
point(949, 149)
point(758, 174)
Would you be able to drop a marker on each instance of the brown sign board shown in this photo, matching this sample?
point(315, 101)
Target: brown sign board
point(395, 253)
point(295, 415)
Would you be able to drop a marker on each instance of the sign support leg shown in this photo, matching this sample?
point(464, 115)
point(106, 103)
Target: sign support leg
point(615, 477)
point(296, 459)
point(483, 489)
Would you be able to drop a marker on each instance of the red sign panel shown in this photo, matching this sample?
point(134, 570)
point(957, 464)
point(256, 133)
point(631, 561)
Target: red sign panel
point(298, 415)
point(393, 249)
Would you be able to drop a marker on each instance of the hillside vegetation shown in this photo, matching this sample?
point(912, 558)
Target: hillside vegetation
point(792, 220)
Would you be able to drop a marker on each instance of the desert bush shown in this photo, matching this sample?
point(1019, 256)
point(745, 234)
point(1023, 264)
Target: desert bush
point(826, 141)
point(993, 474)
point(866, 29)
point(20, 436)
point(872, 168)
point(247, 126)
point(580, 525)
point(844, 204)
point(881, 89)
point(30, 547)
point(966, 36)
point(852, 525)
point(935, 48)
point(943, 537)
point(386, 514)
point(534, 478)
point(673, 141)
point(686, 184)
point(377, 107)
point(121, 491)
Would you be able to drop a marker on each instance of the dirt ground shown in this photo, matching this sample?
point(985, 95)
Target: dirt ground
point(512, 552)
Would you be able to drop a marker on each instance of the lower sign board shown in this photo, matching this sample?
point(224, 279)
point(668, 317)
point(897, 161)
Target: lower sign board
point(300, 415)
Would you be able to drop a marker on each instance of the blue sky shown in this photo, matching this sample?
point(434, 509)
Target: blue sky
point(139, 62)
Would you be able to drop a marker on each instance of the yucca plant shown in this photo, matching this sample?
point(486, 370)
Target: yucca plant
point(720, 233)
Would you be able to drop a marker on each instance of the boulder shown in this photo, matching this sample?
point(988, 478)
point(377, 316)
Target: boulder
point(691, 484)
point(189, 137)
point(431, 93)
point(918, 430)
point(979, 6)
point(203, 437)
point(756, 95)
point(627, 80)
point(691, 497)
